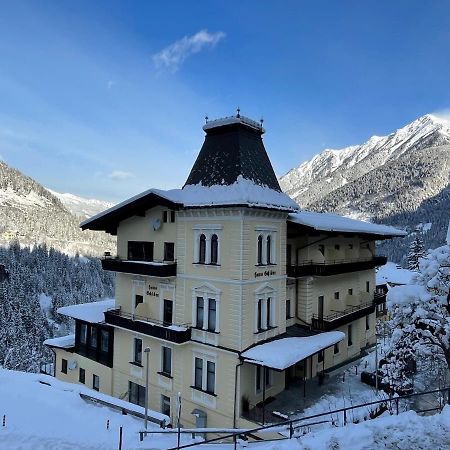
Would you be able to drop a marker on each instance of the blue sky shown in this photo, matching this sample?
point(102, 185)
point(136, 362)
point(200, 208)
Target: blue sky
point(106, 99)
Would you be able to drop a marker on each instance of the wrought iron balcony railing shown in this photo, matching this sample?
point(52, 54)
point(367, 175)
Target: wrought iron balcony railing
point(177, 333)
point(333, 267)
point(149, 268)
point(338, 318)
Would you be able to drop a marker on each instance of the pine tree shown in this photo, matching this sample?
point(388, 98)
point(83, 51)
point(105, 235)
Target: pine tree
point(416, 252)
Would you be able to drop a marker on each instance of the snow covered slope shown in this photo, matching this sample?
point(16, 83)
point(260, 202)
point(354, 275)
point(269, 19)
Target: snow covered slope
point(44, 413)
point(80, 206)
point(333, 169)
point(30, 213)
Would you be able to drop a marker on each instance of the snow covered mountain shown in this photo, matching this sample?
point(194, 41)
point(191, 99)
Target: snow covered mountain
point(401, 179)
point(30, 213)
point(80, 206)
point(332, 169)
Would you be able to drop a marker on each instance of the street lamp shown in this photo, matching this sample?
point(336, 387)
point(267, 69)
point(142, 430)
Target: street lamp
point(147, 354)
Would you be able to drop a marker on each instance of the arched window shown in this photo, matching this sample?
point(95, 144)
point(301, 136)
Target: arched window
point(214, 248)
point(269, 249)
point(202, 249)
point(260, 244)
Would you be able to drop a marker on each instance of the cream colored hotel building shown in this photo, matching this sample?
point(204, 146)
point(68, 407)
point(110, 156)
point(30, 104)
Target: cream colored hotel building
point(235, 290)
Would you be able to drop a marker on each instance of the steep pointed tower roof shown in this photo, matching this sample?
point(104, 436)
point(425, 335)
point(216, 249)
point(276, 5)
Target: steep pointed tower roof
point(233, 149)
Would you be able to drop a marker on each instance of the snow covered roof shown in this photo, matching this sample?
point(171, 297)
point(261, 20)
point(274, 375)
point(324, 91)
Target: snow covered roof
point(61, 342)
point(333, 222)
point(88, 312)
point(234, 120)
point(242, 192)
point(392, 274)
point(285, 352)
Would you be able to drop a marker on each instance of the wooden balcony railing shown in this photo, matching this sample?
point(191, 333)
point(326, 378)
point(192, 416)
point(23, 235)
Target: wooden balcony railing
point(333, 267)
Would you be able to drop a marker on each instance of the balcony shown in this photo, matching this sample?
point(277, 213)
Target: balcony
point(149, 268)
point(379, 298)
point(334, 267)
point(177, 333)
point(339, 318)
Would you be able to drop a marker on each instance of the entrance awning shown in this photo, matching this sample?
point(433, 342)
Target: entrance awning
point(285, 352)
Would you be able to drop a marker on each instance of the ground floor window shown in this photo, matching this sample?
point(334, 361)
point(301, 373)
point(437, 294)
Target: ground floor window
point(320, 356)
point(95, 382)
point(136, 394)
point(165, 405)
point(263, 372)
point(349, 336)
point(64, 365)
point(336, 348)
point(367, 323)
point(288, 309)
point(82, 376)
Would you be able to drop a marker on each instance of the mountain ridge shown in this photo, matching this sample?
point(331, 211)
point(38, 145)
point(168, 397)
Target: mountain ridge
point(32, 214)
point(401, 179)
point(81, 206)
point(330, 169)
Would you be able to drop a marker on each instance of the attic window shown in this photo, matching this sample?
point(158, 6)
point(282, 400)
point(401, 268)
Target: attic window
point(169, 216)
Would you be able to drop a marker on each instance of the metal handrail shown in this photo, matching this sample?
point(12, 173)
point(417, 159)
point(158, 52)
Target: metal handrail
point(166, 262)
point(118, 312)
point(288, 425)
point(345, 312)
point(331, 262)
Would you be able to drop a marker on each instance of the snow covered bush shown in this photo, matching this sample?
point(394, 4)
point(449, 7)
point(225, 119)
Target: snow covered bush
point(420, 318)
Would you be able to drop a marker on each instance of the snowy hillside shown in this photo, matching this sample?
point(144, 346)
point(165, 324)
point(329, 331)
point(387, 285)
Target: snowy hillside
point(57, 418)
point(333, 169)
point(401, 179)
point(80, 206)
point(30, 213)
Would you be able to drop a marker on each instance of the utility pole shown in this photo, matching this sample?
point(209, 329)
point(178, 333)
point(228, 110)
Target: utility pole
point(178, 419)
point(147, 355)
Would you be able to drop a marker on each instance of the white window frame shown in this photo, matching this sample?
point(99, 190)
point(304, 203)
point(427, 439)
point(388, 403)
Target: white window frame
point(265, 232)
point(263, 379)
point(206, 292)
point(205, 357)
point(263, 293)
point(208, 230)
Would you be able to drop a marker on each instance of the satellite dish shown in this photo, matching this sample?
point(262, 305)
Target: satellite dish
point(156, 224)
point(72, 365)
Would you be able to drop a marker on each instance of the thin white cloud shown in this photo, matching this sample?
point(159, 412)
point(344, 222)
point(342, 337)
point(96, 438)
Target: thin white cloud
point(110, 84)
point(443, 114)
point(175, 54)
point(119, 175)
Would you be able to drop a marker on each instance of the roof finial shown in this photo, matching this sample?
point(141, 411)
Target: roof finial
point(261, 121)
point(238, 112)
point(206, 118)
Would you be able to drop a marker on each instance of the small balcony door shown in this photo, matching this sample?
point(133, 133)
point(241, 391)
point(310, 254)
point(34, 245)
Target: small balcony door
point(168, 312)
point(320, 307)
